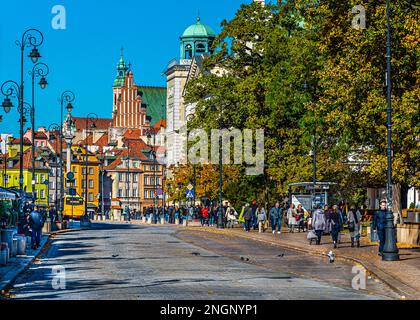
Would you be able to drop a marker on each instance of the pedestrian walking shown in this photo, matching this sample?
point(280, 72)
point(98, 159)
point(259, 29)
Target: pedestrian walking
point(36, 223)
point(318, 223)
point(353, 223)
point(205, 216)
point(327, 213)
point(52, 215)
point(276, 215)
point(261, 218)
point(300, 215)
point(231, 216)
point(379, 223)
point(254, 207)
point(291, 218)
point(248, 216)
point(336, 224)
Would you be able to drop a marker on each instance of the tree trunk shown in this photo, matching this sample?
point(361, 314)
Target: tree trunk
point(396, 203)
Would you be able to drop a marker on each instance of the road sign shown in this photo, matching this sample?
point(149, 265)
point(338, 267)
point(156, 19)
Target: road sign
point(46, 182)
point(190, 187)
point(190, 194)
point(70, 175)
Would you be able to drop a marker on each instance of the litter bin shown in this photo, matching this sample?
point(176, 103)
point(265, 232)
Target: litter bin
point(4, 254)
point(373, 235)
point(21, 244)
point(13, 250)
point(7, 236)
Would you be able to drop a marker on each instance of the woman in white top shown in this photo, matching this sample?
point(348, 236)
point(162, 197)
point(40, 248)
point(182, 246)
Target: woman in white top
point(291, 217)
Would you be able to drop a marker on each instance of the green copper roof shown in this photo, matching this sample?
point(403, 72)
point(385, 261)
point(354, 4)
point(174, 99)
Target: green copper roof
point(198, 30)
point(155, 99)
point(121, 70)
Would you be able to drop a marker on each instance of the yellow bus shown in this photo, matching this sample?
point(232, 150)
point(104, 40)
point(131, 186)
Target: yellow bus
point(74, 207)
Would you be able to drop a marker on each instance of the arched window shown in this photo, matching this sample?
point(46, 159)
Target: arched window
point(200, 49)
point(188, 51)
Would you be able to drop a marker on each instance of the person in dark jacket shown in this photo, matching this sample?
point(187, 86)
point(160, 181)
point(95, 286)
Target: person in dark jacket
point(336, 222)
point(276, 215)
point(248, 216)
point(379, 222)
point(254, 208)
point(36, 223)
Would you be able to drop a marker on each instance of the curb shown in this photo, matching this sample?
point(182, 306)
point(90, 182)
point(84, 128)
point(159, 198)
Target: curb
point(7, 286)
point(393, 285)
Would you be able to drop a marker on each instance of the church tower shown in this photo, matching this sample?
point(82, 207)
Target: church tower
point(128, 111)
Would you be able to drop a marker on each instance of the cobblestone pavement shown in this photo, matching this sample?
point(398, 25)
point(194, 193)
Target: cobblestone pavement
point(403, 275)
point(123, 261)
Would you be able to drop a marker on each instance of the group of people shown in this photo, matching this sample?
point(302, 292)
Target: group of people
point(34, 218)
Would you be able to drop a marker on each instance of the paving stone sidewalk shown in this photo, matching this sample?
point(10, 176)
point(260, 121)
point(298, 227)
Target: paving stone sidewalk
point(403, 276)
point(16, 265)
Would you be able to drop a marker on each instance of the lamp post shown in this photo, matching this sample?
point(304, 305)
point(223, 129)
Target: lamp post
point(30, 38)
point(314, 142)
point(149, 134)
point(220, 212)
point(69, 97)
point(91, 118)
point(390, 252)
point(52, 138)
point(38, 70)
point(127, 145)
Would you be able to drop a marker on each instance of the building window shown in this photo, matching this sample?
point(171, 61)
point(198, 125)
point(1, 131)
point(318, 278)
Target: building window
point(42, 178)
point(83, 170)
point(188, 51)
point(91, 184)
point(91, 171)
point(120, 193)
point(135, 177)
point(134, 192)
point(120, 176)
point(146, 194)
point(42, 192)
point(158, 180)
point(135, 164)
point(152, 180)
point(90, 197)
point(145, 180)
point(74, 169)
point(200, 49)
point(52, 185)
point(83, 183)
point(127, 176)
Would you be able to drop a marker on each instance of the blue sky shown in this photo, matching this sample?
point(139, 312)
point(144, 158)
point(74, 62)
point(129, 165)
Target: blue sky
point(83, 57)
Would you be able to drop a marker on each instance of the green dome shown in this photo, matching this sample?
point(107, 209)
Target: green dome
point(198, 30)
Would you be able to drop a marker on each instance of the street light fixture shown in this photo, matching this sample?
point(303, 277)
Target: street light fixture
point(52, 138)
point(38, 70)
point(91, 118)
point(390, 252)
point(151, 131)
point(67, 96)
point(220, 212)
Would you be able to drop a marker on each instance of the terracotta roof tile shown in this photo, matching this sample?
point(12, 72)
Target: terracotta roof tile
point(101, 123)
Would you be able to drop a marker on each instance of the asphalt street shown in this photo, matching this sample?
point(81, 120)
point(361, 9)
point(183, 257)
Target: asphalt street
point(123, 261)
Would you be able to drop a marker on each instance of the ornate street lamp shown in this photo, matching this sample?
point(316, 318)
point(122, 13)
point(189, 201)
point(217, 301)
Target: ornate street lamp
point(150, 131)
point(54, 129)
point(390, 252)
point(67, 97)
point(220, 212)
point(90, 119)
point(38, 70)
